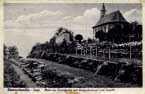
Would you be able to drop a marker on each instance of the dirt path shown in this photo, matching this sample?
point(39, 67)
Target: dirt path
point(24, 77)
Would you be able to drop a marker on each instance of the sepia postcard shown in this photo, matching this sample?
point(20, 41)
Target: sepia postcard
point(72, 47)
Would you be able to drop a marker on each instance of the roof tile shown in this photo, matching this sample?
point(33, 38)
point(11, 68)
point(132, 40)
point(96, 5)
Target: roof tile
point(115, 16)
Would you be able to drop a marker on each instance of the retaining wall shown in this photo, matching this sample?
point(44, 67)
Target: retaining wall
point(117, 70)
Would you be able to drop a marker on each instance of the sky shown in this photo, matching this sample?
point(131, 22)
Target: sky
point(26, 24)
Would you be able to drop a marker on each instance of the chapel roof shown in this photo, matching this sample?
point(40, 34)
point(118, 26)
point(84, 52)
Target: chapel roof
point(115, 16)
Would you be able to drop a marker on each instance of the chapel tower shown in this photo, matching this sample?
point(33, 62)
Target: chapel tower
point(103, 11)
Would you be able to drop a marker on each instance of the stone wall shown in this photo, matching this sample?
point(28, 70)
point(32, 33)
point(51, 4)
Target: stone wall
point(121, 71)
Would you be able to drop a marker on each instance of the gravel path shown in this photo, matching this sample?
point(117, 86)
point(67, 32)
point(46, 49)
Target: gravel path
point(24, 77)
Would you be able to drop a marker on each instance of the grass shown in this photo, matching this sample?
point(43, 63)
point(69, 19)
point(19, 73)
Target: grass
point(90, 80)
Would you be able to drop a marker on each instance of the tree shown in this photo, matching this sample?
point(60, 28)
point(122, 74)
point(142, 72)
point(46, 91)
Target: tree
point(115, 34)
point(52, 44)
point(101, 35)
point(90, 40)
point(71, 36)
point(79, 37)
point(136, 31)
point(53, 40)
point(63, 46)
point(13, 50)
point(5, 47)
point(130, 32)
point(59, 30)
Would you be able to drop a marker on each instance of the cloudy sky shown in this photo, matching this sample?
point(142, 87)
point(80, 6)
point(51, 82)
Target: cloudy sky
point(29, 23)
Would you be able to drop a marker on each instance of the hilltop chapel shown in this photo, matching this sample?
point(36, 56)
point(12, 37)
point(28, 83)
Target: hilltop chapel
point(108, 21)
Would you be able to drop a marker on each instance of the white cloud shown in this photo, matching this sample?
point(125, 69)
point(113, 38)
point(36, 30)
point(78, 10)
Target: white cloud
point(39, 18)
point(90, 16)
point(86, 21)
point(50, 19)
point(27, 30)
point(25, 40)
point(133, 15)
point(35, 20)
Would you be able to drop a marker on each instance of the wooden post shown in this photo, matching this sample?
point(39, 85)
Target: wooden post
point(90, 51)
point(85, 51)
point(76, 51)
point(96, 52)
point(129, 47)
point(103, 53)
point(130, 51)
point(81, 50)
point(109, 53)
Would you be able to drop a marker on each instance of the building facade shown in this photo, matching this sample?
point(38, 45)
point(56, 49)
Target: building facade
point(63, 36)
point(108, 21)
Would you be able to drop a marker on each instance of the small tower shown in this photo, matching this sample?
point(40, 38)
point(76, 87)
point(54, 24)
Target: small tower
point(102, 11)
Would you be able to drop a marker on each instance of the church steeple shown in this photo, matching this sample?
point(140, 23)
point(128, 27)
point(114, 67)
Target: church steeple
point(102, 11)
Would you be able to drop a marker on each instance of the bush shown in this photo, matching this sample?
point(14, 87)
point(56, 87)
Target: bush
point(57, 78)
point(11, 78)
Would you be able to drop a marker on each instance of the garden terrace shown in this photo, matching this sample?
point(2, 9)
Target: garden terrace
point(133, 71)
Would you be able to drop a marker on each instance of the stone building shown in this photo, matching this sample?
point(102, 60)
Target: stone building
point(63, 35)
point(108, 21)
